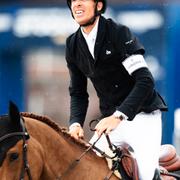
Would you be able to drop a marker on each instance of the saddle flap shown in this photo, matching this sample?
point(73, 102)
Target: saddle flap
point(127, 163)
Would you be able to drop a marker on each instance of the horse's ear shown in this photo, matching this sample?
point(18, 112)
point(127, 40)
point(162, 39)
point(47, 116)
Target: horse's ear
point(14, 114)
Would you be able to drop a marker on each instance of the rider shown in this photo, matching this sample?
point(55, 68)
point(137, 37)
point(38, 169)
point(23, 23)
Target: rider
point(112, 58)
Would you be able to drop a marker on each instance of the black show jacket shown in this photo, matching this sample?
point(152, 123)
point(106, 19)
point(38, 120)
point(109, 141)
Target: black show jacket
point(116, 89)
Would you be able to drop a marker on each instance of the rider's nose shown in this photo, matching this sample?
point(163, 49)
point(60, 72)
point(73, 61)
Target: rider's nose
point(78, 3)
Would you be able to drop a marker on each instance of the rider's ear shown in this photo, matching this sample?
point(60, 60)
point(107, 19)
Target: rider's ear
point(99, 6)
point(14, 114)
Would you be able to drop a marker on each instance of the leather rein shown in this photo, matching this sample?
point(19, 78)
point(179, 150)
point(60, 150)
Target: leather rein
point(92, 146)
point(24, 134)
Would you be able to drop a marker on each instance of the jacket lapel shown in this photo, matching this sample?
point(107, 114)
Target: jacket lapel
point(100, 37)
point(83, 45)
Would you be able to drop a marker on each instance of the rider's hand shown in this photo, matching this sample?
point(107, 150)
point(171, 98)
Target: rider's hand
point(76, 131)
point(107, 125)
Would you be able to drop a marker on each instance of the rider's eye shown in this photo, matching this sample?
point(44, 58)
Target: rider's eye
point(13, 156)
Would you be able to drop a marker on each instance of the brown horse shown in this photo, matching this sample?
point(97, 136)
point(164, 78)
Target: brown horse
point(51, 152)
point(33, 147)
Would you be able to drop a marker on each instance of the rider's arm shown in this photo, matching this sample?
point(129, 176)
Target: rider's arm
point(78, 95)
point(78, 86)
point(143, 87)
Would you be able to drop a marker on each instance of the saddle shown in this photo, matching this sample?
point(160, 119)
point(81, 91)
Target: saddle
point(168, 158)
point(168, 161)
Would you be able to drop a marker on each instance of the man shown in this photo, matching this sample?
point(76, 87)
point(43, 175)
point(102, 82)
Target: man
point(112, 58)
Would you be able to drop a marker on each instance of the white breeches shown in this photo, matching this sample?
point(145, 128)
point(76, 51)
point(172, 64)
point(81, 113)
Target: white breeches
point(143, 134)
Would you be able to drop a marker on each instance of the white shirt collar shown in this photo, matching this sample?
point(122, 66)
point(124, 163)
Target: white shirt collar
point(91, 37)
point(93, 32)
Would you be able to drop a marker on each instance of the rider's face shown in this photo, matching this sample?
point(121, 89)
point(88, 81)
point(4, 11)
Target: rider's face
point(83, 10)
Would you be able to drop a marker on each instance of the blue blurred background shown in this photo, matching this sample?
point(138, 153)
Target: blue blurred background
point(33, 71)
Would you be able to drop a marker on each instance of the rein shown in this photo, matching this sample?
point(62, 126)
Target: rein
point(76, 161)
point(92, 146)
point(24, 134)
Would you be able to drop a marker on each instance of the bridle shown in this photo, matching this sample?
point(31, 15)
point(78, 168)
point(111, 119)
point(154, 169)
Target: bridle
point(25, 136)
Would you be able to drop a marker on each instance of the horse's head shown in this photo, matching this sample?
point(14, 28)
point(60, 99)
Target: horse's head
point(9, 124)
point(12, 131)
point(21, 155)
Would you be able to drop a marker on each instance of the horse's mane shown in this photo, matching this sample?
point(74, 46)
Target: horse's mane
point(55, 126)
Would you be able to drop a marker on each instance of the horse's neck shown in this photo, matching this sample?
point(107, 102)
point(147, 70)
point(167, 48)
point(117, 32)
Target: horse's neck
point(57, 147)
